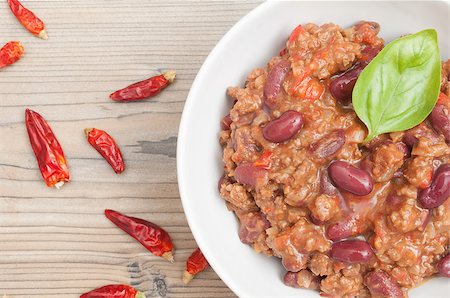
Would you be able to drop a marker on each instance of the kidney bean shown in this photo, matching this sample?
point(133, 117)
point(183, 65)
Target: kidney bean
point(349, 178)
point(274, 81)
point(221, 181)
point(226, 122)
point(404, 149)
point(439, 190)
point(444, 266)
point(326, 186)
point(351, 251)
point(290, 279)
point(342, 86)
point(249, 174)
point(409, 139)
point(380, 284)
point(328, 144)
point(283, 128)
point(345, 228)
point(440, 119)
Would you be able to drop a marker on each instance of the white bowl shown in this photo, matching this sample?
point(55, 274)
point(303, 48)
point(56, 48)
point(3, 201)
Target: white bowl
point(250, 44)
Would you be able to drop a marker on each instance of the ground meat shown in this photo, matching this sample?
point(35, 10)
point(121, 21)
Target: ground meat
point(295, 244)
point(445, 78)
point(324, 49)
point(325, 207)
point(286, 202)
point(238, 196)
point(384, 161)
point(321, 264)
point(419, 171)
point(407, 216)
point(338, 285)
point(252, 230)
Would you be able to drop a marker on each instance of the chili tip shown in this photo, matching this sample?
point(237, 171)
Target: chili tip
point(140, 294)
point(168, 256)
point(187, 277)
point(43, 34)
point(87, 131)
point(170, 75)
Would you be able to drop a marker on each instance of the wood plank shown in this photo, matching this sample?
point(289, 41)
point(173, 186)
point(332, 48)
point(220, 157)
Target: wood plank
point(58, 242)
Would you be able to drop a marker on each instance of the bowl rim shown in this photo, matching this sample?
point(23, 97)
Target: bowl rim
point(182, 132)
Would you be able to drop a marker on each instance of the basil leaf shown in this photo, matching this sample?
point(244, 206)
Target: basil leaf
point(400, 87)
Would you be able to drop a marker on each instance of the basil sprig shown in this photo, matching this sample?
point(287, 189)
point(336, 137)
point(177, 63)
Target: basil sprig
point(400, 87)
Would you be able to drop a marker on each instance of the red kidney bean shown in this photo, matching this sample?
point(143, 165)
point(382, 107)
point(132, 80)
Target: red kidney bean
point(409, 139)
point(283, 128)
point(351, 251)
point(226, 122)
point(393, 199)
point(249, 174)
point(444, 266)
point(439, 190)
point(274, 81)
point(345, 228)
point(221, 181)
point(342, 86)
point(380, 284)
point(290, 279)
point(404, 149)
point(349, 178)
point(328, 144)
point(440, 119)
point(326, 186)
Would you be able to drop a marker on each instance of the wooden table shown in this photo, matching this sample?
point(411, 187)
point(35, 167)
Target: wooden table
point(58, 242)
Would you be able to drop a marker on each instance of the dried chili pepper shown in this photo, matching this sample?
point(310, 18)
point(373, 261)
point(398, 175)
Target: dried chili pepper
point(10, 53)
point(107, 147)
point(195, 264)
point(28, 19)
point(144, 89)
point(150, 235)
point(114, 291)
point(48, 151)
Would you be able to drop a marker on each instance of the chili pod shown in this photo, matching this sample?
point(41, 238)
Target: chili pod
point(144, 89)
point(28, 19)
point(48, 151)
point(107, 147)
point(195, 264)
point(150, 235)
point(10, 53)
point(114, 291)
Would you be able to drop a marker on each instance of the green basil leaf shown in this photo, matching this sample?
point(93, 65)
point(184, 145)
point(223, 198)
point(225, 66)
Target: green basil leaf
point(400, 87)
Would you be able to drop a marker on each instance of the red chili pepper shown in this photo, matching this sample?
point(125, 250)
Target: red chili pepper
point(107, 147)
point(144, 89)
point(195, 264)
point(28, 19)
point(10, 53)
point(264, 160)
point(48, 151)
point(150, 235)
point(114, 291)
point(307, 87)
point(283, 52)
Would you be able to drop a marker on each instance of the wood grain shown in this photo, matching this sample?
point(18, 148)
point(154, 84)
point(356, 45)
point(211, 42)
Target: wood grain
point(57, 242)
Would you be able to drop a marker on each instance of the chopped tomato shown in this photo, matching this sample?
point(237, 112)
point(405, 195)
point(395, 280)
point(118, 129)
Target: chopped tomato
point(307, 87)
point(294, 35)
point(264, 160)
